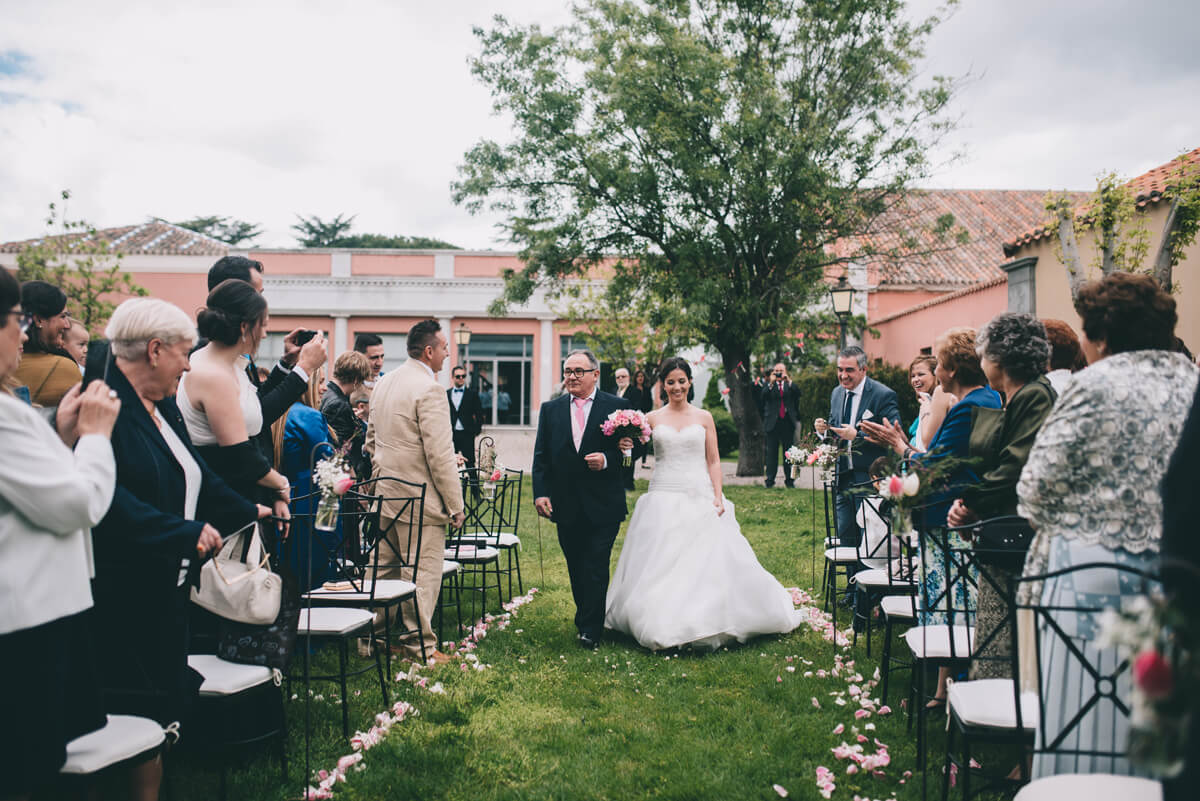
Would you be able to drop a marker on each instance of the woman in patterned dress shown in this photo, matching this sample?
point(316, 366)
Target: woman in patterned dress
point(1091, 491)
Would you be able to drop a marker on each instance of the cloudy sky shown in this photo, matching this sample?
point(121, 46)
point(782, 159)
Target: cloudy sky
point(261, 110)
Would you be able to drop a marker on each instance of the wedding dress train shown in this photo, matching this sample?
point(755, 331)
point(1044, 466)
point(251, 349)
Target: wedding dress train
point(687, 576)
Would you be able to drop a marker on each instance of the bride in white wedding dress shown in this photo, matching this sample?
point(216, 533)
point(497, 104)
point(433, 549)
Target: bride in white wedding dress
point(686, 575)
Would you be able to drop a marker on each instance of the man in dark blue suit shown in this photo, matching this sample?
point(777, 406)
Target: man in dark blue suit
point(577, 484)
point(853, 397)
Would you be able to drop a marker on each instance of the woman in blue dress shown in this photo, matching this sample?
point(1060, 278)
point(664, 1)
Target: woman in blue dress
point(296, 435)
point(960, 374)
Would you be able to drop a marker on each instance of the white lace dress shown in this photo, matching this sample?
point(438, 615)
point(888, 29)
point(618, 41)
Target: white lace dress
point(687, 576)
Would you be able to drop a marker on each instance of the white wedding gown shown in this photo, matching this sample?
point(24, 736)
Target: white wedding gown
point(687, 576)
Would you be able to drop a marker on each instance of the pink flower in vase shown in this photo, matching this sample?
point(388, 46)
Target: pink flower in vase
point(342, 484)
point(1152, 674)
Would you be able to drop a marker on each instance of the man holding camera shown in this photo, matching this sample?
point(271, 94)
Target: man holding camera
point(780, 411)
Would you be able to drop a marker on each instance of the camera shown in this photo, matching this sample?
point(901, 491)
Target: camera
point(304, 336)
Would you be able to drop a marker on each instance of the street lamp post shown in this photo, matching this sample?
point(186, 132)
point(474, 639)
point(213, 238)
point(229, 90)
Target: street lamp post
point(462, 338)
point(842, 296)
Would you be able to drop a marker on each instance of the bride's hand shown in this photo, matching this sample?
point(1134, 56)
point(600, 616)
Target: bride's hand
point(719, 505)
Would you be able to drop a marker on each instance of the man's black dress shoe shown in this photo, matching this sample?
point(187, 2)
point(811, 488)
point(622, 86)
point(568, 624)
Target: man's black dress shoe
point(588, 641)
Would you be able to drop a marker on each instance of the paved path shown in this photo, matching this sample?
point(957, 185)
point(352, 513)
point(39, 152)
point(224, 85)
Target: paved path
point(808, 476)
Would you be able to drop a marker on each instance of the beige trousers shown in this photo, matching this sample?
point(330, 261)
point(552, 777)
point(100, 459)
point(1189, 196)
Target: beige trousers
point(428, 581)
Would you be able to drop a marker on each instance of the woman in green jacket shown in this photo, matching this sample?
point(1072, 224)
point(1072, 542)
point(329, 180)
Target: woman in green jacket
point(1014, 352)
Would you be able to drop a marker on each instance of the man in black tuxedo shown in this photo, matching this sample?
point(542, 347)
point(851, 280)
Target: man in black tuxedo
point(633, 396)
point(852, 399)
point(577, 484)
point(780, 411)
point(466, 415)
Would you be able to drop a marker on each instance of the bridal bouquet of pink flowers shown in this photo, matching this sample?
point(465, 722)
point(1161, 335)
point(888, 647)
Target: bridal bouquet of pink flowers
point(627, 423)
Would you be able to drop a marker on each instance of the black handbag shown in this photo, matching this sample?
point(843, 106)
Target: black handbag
point(1003, 542)
point(271, 645)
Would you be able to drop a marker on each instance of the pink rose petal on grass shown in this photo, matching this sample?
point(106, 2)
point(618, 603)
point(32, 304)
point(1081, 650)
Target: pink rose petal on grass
point(838, 729)
point(859, 714)
point(816, 703)
point(885, 710)
point(780, 790)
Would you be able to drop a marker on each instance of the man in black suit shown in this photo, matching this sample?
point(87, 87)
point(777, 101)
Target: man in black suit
point(854, 397)
point(633, 396)
point(466, 415)
point(577, 484)
point(780, 411)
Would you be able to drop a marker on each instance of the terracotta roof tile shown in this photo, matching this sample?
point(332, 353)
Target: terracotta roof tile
point(943, 262)
point(1148, 189)
point(153, 237)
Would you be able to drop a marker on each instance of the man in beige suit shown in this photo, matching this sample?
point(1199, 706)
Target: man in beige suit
point(409, 437)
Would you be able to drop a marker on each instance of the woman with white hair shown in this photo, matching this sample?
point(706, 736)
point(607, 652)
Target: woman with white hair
point(168, 510)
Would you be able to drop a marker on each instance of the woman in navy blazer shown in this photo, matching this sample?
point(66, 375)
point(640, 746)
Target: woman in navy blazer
point(168, 511)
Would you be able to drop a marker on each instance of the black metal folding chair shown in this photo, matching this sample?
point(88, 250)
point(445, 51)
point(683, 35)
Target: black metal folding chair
point(1071, 721)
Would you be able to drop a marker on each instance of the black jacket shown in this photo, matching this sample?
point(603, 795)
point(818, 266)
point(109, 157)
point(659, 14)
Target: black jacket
point(633, 395)
point(335, 405)
point(771, 396)
point(470, 412)
point(578, 495)
point(141, 610)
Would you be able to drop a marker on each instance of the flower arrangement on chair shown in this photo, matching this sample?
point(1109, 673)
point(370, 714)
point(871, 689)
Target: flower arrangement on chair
point(795, 456)
point(1155, 633)
point(333, 476)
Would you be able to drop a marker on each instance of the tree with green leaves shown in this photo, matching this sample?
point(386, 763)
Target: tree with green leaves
point(313, 232)
point(227, 229)
point(1119, 225)
point(625, 326)
point(82, 265)
point(719, 148)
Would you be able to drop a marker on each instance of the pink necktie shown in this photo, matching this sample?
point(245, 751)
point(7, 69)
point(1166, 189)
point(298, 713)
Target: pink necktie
point(581, 419)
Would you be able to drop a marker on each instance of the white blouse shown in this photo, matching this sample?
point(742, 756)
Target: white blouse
point(50, 497)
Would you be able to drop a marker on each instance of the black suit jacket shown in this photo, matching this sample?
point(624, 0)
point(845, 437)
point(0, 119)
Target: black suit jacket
point(882, 402)
point(579, 496)
point(145, 525)
point(471, 412)
point(771, 395)
point(633, 395)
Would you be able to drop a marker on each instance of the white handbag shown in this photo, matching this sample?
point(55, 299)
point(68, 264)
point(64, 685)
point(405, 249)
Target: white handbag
point(240, 588)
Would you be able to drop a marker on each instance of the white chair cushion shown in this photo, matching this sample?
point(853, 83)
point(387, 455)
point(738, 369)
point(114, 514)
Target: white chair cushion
point(505, 539)
point(933, 642)
point(333, 621)
point(989, 703)
point(472, 553)
point(899, 606)
point(123, 737)
point(449, 566)
point(226, 678)
point(1091, 786)
point(841, 555)
point(385, 590)
point(878, 577)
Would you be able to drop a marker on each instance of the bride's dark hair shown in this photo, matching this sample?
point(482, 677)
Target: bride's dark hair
point(668, 366)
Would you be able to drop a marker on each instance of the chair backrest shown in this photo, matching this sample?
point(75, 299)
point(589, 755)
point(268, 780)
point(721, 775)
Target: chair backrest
point(510, 513)
point(997, 552)
point(942, 552)
point(391, 536)
point(342, 555)
point(490, 509)
point(1083, 683)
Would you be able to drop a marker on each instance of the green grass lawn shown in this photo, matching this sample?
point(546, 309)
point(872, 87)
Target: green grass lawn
point(548, 720)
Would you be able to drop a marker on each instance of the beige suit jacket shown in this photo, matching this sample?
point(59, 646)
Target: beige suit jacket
point(408, 437)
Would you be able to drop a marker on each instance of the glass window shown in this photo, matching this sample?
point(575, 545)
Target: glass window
point(501, 370)
point(270, 350)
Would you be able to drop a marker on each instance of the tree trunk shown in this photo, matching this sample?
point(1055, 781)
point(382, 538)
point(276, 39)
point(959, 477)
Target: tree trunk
point(745, 413)
point(1070, 250)
point(1166, 246)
